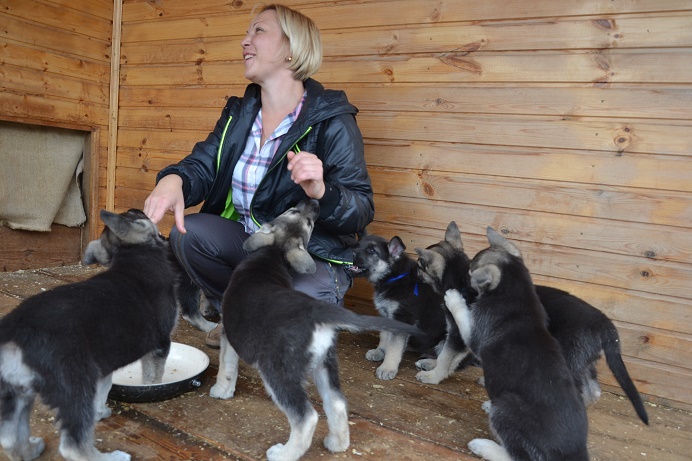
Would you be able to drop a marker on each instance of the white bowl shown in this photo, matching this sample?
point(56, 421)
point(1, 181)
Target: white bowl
point(184, 367)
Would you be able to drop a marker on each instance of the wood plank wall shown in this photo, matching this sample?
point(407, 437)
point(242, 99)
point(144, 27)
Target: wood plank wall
point(566, 125)
point(55, 71)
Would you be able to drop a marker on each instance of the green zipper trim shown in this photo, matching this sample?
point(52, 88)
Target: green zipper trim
point(223, 137)
point(229, 211)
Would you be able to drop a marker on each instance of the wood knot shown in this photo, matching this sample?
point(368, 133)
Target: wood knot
point(428, 189)
point(605, 24)
point(458, 60)
point(387, 49)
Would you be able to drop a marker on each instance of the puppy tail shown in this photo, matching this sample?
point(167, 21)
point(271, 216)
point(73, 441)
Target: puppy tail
point(344, 319)
point(611, 349)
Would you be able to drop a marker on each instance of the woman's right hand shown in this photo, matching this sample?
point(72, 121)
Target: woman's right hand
point(167, 196)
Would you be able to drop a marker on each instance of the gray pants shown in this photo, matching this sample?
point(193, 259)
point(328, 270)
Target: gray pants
point(213, 247)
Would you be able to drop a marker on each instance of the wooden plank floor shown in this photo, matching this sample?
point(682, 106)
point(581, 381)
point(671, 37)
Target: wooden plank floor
point(394, 420)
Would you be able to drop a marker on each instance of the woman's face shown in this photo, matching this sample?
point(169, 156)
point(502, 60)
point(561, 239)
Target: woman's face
point(264, 48)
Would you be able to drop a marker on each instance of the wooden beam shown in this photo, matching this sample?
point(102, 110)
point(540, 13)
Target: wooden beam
point(113, 105)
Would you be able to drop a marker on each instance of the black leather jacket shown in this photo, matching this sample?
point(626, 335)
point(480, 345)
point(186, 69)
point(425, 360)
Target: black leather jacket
point(326, 126)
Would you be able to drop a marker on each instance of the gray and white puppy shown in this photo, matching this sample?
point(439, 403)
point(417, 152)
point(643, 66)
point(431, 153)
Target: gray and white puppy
point(442, 266)
point(64, 344)
point(535, 409)
point(287, 335)
point(582, 331)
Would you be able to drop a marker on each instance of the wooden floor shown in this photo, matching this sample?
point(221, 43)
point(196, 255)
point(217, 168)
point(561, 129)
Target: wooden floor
point(393, 420)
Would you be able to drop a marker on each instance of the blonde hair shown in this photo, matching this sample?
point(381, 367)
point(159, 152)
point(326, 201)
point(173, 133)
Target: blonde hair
point(304, 42)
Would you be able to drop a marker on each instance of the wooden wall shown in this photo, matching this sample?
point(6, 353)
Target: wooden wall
point(55, 71)
point(566, 125)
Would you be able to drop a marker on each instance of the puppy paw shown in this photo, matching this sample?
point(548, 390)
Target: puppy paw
point(481, 381)
point(31, 450)
point(486, 406)
point(375, 355)
point(221, 391)
point(488, 449)
point(426, 364)
point(279, 452)
point(386, 373)
point(103, 412)
point(429, 377)
point(454, 300)
point(337, 443)
point(117, 455)
point(200, 323)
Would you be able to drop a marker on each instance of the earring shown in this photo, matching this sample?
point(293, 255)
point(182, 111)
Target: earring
point(289, 59)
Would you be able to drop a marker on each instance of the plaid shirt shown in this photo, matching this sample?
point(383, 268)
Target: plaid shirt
point(254, 164)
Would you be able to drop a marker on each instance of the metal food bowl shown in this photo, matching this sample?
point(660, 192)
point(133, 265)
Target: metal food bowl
point(183, 372)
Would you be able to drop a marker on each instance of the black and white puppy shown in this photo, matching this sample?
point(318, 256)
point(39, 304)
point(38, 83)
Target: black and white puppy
point(581, 330)
point(64, 344)
point(287, 335)
point(442, 266)
point(399, 295)
point(535, 409)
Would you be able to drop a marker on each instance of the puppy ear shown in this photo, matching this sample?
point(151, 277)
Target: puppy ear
point(262, 238)
point(420, 251)
point(128, 229)
point(496, 239)
point(116, 223)
point(301, 261)
point(396, 247)
point(453, 236)
point(486, 278)
point(95, 253)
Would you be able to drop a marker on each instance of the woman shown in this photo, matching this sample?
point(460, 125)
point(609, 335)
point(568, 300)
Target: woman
point(285, 139)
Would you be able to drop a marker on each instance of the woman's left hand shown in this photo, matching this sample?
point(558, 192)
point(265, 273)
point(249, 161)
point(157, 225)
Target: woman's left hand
point(306, 170)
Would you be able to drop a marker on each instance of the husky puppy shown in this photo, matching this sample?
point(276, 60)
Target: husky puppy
point(445, 265)
point(581, 330)
point(287, 335)
point(64, 344)
point(535, 409)
point(398, 295)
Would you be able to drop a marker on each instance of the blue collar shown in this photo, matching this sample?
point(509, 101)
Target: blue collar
point(398, 277)
point(401, 276)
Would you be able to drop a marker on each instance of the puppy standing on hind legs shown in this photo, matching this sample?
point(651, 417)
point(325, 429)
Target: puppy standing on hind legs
point(442, 266)
point(582, 331)
point(536, 411)
point(64, 344)
point(287, 335)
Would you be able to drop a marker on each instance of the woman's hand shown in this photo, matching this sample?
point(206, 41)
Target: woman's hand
point(167, 196)
point(306, 170)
